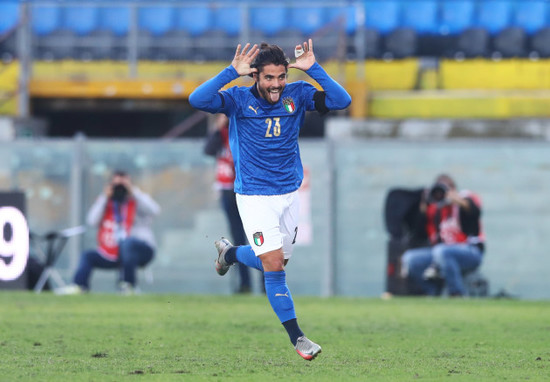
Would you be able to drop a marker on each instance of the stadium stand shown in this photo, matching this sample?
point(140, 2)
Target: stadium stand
point(268, 21)
point(421, 17)
point(456, 17)
point(381, 20)
point(194, 34)
point(389, 29)
point(154, 22)
point(219, 42)
point(9, 17)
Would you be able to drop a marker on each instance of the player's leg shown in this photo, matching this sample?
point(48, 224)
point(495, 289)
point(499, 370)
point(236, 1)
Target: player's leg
point(288, 225)
point(229, 204)
point(228, 254)
point(250, 210)
point(278, 294)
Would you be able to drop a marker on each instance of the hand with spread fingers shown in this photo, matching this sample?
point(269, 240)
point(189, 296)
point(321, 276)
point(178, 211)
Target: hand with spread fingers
point(304, 56)
point(242, 60)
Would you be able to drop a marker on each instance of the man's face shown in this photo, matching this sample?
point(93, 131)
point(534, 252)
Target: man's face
point(119, 179)
point(271, 82)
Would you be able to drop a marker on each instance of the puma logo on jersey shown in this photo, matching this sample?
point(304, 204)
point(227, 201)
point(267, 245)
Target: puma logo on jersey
point(254, 110)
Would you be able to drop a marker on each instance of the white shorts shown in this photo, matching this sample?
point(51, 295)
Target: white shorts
point(270, 221)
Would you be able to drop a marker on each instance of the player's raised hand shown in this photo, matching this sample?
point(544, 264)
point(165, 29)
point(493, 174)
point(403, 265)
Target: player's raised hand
point(304, 56)
point(243, 58)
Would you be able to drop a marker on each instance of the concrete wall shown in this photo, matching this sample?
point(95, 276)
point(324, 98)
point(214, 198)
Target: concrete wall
point(349, 181)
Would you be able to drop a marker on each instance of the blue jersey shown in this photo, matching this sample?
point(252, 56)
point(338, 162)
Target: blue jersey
point(264, 137)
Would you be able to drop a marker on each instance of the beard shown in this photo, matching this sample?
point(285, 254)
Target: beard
point(271, 95)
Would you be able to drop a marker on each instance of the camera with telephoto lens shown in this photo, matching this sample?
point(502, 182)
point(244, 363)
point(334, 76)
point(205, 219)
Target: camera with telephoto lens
point(119, 193)
point(438, 193)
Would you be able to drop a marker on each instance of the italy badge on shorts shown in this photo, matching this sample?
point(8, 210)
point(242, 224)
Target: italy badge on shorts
point(288, 103)
point(258, 238)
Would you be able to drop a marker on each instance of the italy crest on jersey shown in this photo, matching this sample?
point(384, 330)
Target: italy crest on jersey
point(288, 103)
point(258, 238)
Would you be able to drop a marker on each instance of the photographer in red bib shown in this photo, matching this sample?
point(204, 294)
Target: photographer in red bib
point(123, 214)
point(452, 220)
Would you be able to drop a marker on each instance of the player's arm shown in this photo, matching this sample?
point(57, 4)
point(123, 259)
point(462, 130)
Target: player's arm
point(333, 96)
point(207, 97)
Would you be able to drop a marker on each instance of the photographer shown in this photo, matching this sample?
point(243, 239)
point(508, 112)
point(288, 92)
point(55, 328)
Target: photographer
point(123, 214)
point(452, 222)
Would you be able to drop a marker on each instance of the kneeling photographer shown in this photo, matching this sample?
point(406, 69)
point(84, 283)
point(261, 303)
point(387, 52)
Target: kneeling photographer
point(452, 220)
point(123, 215)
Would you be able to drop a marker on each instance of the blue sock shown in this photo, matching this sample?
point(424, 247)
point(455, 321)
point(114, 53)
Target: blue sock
point(244, 255)
point(281, 301)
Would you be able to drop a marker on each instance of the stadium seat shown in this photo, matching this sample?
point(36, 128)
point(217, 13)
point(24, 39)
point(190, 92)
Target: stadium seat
point(156, 20)
point(115, 20)
point(341, 25)
point(540, 44)
point(382, 15)
point(9, 16)
point(44, 19)
point(195, 20)
point(372, 43)
point(51, 39)
point(229, 19)
point(345, 17)
point(82, 20)
point(288, 38)
point(494, 15)
point(268, 20)
point(220, 40)
point(456, 16)
point(60, 44)
point(198, 23)
point(473, 42)
point(112, 32)
point(531, 15)
point(400, 43)
point(420, 15)
point(214, 44)
point(307, 19)
point(178, 46)
point(511, 42)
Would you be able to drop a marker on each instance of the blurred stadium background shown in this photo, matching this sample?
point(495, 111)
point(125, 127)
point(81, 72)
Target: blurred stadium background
point(458, 86)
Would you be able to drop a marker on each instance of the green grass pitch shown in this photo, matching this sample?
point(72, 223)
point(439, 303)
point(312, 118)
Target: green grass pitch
point(100, 337)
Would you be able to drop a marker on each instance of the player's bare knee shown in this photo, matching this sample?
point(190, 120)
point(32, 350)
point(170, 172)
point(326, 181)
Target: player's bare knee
point(273, 261)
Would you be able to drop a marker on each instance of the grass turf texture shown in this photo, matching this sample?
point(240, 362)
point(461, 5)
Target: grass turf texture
point(177, 337)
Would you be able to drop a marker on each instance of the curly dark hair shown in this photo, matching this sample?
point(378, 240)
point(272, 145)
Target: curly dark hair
point(270, 54)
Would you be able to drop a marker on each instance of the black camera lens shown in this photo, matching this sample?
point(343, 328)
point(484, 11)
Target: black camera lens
point(438, 192)
point(119, 193)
